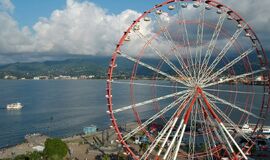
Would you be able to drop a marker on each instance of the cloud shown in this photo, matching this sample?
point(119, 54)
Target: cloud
point(12, 38)
point(7, 5)
point(80, 28)
point(256, 13)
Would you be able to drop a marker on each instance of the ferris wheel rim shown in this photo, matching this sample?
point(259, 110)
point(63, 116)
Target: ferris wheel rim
point(213, 3)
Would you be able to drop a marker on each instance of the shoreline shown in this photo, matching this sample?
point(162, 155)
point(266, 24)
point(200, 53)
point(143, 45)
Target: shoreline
point(255, 83)
point(80, 146)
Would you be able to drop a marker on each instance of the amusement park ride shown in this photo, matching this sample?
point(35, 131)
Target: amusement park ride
point(205, 50)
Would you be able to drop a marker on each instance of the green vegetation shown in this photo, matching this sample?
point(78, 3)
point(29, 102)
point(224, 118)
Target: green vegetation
point(72, 67)
point(121, 156)
point(91, 65)
point(118, 156)
point(36, 155)
point(143, 147)
point(253, 150)
point(97, 66)
point(55, 149)
point(29, 156)
point(106, 157)
point(22, 157)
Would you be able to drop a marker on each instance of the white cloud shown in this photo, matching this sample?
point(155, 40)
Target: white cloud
point(256, 13)
point(7, 5)
point(12, 38)
point(81, 28)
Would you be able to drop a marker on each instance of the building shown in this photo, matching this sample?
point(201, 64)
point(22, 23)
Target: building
point(10, 77)
point(91, 76)
point(259, 78)
point(44, 77)
point(83, 77)
point(89, 130)
point(36, 78)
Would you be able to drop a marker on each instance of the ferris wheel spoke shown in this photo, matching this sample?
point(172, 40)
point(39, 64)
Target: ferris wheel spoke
point(209, 123)
point(233, 140)
point(192, 67)
point(182, 50)
point(187, 62)
point(224, 51)
point(205, 127)
point(149, 101)
point(168, 127)
point(174, 48)
point(212, 44)
point(225, 138)
point(233, 62)
point(157, 140)
point(168, 150)
point(232, 105)
point(216, 128)
point(222, 127)
point(162, 56)
point(206, 115)
point(172, 127)
point(192, 137)
point(236, 92)
point(233, 78)
point(199, 42)
point(185, 121)
point(226, 118)
point(147, 84)
point(156, 116)
point(181, 18)
point(152, 68)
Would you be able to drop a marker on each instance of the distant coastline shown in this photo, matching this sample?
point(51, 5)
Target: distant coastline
point(92, 77)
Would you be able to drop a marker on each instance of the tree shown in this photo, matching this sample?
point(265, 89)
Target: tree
point(121, 156)
point(35, 155)
point(55, 149)
point(21, 157)
point(106, 157)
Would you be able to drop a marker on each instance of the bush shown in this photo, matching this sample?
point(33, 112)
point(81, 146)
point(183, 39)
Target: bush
point(29, 156)
point(106, 157)
point(55, 149)
point(22, 157)
point(35, 155)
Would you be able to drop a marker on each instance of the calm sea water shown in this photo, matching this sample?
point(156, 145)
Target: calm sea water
point(57, 108)
point(62, 108)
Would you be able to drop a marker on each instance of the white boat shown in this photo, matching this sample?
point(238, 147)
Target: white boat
point(14, 106)
point(246, 128)
point(266, 130)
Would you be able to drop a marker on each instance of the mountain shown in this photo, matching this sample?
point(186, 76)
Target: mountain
point(90, 65)
point(72, 67)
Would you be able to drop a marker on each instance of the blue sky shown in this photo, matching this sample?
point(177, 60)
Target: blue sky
point(27, 14)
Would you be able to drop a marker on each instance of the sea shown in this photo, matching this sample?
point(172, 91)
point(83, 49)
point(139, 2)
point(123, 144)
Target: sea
point(61, 108)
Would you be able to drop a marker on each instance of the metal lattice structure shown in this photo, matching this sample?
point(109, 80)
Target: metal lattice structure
point(217, 72)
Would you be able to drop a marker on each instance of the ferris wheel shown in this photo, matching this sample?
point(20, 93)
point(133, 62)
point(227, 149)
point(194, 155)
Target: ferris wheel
point(190, 79)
